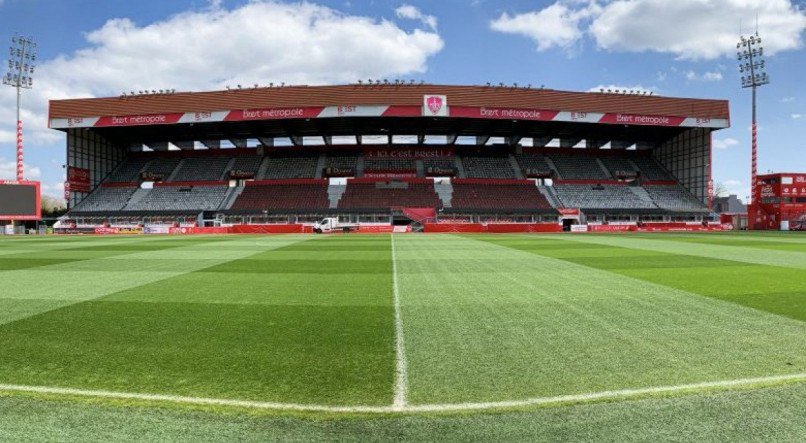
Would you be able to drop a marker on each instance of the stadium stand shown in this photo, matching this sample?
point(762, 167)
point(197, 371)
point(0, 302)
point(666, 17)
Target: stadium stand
point(201, 169)
point(383, 195)
point(284, 166)
point(161, 168)
point(600, 197)
point(503, 195)
point(342, 161)
point(106, 199)
point(533, 162)
point(617, 165)
point(389, 164)
point(650, 168)
point(488, 166)
point(673, 198)
point(283, 195)
point(180, 198)
point(128, 171)
point(439, 162)
point(578, 167)
point(248, 165)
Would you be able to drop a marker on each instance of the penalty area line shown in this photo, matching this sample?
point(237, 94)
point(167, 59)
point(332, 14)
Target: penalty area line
point(621, 394)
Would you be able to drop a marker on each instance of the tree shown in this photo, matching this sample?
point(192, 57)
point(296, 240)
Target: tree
point(53, 206)
point(720, 190)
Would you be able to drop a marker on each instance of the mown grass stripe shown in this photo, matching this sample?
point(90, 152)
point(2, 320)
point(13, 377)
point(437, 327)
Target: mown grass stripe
point(788, 259)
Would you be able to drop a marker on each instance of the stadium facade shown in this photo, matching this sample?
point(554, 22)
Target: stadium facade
point(779, 202)
point(389, 154)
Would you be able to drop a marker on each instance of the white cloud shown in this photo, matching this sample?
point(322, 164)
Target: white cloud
point(798, 116)
point(8, 170)
point(713, 76)
point(412, 13)
point(555, 26)
point(259, 42)
point(724, 143)
point(624, 89)
point(733, 183)
point(787, 100)
point(688, 29)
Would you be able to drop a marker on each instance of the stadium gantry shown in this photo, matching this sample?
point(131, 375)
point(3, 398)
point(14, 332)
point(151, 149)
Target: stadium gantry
point(372, 152)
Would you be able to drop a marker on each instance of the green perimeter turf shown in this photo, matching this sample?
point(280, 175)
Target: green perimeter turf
point(777, 289)
point(486, 318)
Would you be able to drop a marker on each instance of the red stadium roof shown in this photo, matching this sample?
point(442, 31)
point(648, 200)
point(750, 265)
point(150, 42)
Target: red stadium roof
point(460, 102)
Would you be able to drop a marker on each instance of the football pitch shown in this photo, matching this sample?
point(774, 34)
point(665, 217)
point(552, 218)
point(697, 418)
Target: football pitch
point(405, 336)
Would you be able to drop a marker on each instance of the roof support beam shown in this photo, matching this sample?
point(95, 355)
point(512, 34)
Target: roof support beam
point(541, 142)
point(185, 145)
point(620, 144)
point(296, 140)
point(211, 144)
point(359, 139)
point(266, 141)
point(482, 140)
point(452, 139)
point(569, 142)
point(328, 139)
point(594, 144)
point(420, 139)
point(643, 146)
point(513, 140)
point(158, 146)
point(238, 142)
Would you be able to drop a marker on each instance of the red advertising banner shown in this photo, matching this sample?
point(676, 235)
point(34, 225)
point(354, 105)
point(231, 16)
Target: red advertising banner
point(503, 113)
point(412, 153)
point(273, 114)
point(637, 119)
point(139, 120)
point(571, 212)
point(78, 179)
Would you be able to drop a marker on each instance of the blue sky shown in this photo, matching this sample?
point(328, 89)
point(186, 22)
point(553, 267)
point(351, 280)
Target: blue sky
point(682, 48)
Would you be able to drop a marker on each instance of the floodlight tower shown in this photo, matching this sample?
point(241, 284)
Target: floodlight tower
point(20, 75)
point(750, 54)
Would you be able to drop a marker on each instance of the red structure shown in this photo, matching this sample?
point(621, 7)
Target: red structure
point(779, 202)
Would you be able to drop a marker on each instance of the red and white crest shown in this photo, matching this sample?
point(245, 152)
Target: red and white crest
point(435, 105)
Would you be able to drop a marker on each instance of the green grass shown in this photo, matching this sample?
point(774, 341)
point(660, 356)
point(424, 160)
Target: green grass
point(485, 318)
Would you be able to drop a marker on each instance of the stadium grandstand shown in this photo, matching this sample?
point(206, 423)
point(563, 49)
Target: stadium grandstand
point(394, 154)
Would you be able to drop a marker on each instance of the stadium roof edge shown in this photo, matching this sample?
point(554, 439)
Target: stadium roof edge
point(391, 95)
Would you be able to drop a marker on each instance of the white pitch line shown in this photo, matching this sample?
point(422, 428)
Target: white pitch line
point(621, 394)
point(401, 364)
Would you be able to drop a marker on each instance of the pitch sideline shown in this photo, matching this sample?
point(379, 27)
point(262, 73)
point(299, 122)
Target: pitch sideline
point(621, 394)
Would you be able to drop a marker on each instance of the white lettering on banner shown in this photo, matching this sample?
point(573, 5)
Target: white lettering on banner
point(71, 122)
point(344, 110)
point(139, 120)
point(702, 121)
point(642, 119)
point(517, 114)
point(800, 179)
point(272, 113)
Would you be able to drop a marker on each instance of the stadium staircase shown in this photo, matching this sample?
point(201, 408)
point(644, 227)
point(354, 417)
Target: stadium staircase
point(261, 171)
point(445, 193)
point(642, 195)
point(604, 169)
point(553, 167)
point(359, 166)
point(176, 170)
point(516, 167)
point(320, 165)
point(550, 195)
point(135, 199)
point(420, 167)
point(460, 168)
point(232, 194)
point(229, 167)
point(334, 193)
